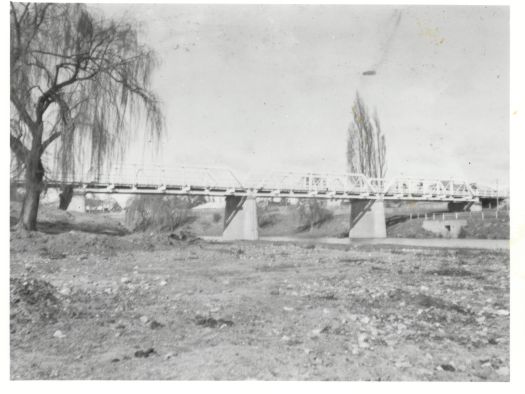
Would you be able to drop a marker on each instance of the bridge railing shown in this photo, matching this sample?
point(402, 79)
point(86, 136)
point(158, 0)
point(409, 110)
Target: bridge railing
point(310, 182)
point(426, 187)
point(207, 177)
point(490, 192)
point(156, 176)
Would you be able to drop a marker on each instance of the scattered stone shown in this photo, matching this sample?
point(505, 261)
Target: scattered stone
point(315, 333)
point(65, 291)
point(145, 353)
point(447, 367)
point(402, 364)
point(125, 280)
point(169, 355)
point(502, 312)
point(115, 360)
point(362, 341)
point(503, 371)
point(59, 334)
point(365, 320)
point(325, 330)
point(153, 324)
point(144, 319)
point(163, 283)
point(288, 308)
point(212, 323)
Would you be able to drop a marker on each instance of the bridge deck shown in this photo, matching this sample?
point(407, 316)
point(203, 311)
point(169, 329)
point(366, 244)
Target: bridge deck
point(223, 182)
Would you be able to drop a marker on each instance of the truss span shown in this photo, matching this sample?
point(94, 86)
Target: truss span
point(212, 181)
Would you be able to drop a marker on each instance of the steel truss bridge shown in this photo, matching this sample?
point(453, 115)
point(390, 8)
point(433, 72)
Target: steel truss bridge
point(209, 181)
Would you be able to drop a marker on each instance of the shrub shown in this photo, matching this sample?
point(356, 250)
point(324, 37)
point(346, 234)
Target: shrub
point(16, 193)
point(159, 213)
point(312, 213)
point(265, 215)
point(217, 217)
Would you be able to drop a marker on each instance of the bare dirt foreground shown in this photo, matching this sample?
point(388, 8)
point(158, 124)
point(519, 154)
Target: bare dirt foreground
point(92, 306)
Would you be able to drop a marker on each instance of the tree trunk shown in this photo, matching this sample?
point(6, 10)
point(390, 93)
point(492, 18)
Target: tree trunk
point(33, 186)
point(65, 196)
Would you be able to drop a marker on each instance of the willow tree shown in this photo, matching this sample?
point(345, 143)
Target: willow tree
point(366, 149)
point(77, 83)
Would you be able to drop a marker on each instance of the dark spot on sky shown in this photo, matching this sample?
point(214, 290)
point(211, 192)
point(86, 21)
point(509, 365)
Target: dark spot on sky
point(369, 72)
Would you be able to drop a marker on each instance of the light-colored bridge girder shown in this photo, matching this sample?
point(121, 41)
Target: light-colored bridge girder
point(219, 181)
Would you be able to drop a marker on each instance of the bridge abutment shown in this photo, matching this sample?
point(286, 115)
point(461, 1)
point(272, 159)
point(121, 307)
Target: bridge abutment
point(78, 202)
point(240, 219)
point(367, 219)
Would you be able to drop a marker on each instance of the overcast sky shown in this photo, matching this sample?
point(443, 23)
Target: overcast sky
point(271, 87)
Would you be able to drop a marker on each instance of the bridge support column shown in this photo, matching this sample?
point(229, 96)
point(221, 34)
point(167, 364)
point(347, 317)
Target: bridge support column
point(367, 219)
point(78, 202)
point(240, 219)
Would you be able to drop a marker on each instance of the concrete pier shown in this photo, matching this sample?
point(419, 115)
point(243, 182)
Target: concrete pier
point(240, 219)
point(78, 203)
point(367, 219)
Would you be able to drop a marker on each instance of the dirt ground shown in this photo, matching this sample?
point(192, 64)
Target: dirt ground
point(148, 306)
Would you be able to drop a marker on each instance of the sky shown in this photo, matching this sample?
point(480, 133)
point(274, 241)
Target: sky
point(259, 88)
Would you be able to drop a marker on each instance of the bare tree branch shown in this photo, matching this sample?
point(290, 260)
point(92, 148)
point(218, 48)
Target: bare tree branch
point(80, 81)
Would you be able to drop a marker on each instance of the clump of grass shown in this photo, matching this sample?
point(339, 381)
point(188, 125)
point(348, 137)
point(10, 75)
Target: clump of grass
point(159, 213)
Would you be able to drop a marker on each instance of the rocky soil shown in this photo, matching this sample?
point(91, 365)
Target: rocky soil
point(154, 306)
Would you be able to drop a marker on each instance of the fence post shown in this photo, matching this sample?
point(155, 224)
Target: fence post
point(443, 215)
point(456, 215)
point(425, 216)
point(496, 213)
point(410, 216)
point(482, 215)
point(433, 216)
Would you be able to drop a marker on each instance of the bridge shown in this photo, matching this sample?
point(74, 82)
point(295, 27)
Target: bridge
point(366, 195)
